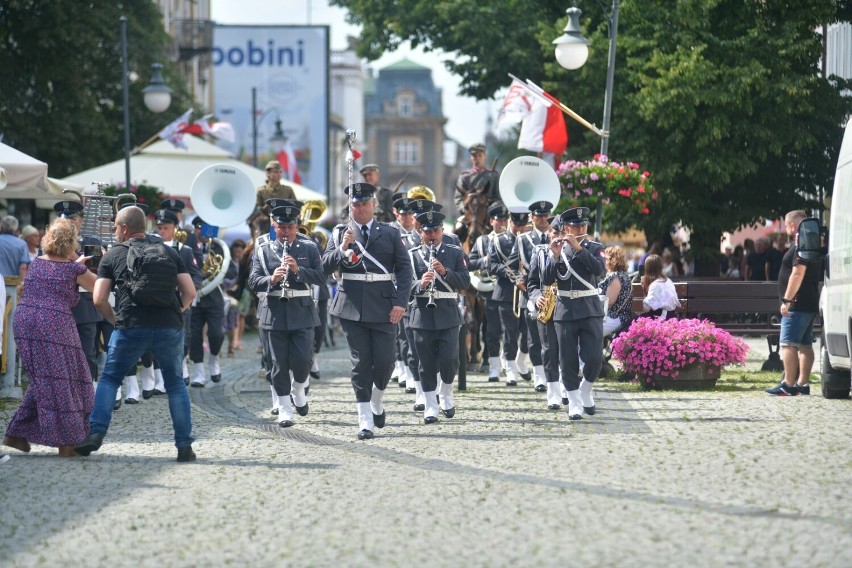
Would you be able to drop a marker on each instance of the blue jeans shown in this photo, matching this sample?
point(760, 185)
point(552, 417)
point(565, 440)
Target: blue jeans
point(125, 348)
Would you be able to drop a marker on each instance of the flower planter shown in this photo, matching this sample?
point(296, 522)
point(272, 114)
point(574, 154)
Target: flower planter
point(693, 377)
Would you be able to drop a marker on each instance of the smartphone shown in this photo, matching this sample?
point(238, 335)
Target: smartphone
point(95, 252)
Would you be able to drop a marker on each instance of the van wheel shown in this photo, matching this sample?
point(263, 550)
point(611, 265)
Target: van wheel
point(835, 384)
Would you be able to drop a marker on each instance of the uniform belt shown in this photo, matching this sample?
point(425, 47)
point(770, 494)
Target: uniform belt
point(368, 277)
point(441, 295)
point(288, 293)
point(574, 294)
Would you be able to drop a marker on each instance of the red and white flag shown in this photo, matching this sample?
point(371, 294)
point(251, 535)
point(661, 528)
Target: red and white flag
point(516, 106)
point(173, 132)
point(543, 130)
point(219, 130)
point(289, 166)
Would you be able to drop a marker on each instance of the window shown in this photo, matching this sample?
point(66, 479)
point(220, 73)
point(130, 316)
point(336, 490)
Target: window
point(406, 151)
point(405, 105)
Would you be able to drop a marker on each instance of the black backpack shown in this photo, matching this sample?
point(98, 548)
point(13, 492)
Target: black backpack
point(151, 278)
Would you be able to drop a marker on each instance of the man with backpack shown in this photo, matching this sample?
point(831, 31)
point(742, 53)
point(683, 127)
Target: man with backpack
point(152, 289)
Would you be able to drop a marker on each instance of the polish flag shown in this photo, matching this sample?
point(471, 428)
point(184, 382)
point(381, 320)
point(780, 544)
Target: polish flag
point(543, 130)
point(173, 131)
point(219, 130)
point(289, 166)
point(516, 106)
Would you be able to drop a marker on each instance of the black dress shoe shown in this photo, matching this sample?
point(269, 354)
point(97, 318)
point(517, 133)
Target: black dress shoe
point(379, 419)
point(365, 435)
point(285, 423)
point(527, 376)
point(158, 392)
point(147, 394)
point(564, 401)
point(553, 407)
point(493, 379)
point(314, 375)
point(410, 390)
point(197, 385)
point(401, 384)
point(419, 407)
point(449, 413)
point(430, 420)
point(541, 388)
point(131, 401)
point(117, 404)
point(186, 454)
point(511, 383)
point(90, 443)
point(302, 410)
point(575, 417)
point(274, 412)
point(590, 410)
point(215, 378)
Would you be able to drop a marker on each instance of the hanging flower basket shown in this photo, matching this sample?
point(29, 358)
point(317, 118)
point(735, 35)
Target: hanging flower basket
point(677, 353)
point(626, 189)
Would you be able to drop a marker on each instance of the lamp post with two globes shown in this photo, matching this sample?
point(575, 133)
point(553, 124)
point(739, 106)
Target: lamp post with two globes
point(572, 51)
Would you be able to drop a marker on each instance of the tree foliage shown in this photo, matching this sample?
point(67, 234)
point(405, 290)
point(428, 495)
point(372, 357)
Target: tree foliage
point(60, 70)
point(721, 99)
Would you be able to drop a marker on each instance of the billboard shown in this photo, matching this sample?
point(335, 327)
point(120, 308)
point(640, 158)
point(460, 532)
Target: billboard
point(286, 67)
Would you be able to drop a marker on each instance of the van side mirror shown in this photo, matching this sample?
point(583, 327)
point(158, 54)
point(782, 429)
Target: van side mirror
point(812, 239)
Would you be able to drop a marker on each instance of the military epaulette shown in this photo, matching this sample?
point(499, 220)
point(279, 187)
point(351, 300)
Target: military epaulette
point(261, 239)
point(452, 246)
point(305, 239)
point(418, 247)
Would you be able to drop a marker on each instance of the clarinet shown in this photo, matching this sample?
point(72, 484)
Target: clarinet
point(431, 303)
point(284, 284)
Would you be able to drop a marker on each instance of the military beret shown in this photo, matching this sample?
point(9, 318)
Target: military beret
point(68, 209)
point(286, 215)
point(431, 219)
point(166, 216)
point(541, 208)
point(498, 210)
point(575, 216)
point(173, 204)
point(361, 191)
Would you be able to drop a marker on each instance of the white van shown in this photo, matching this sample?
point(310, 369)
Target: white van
point(835, 302)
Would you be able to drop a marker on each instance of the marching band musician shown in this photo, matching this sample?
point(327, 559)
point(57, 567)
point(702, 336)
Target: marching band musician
point(406, 359)
point(479, 260)
point(523, 254)
point(508, 278)
point(575, 264)
point(285, 269)
point(368, 303)
point(440, 273)
point(546, 330)
point(210, 310)
point(273, 188)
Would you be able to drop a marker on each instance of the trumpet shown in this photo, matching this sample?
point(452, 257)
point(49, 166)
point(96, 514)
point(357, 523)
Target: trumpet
point(284, 253)
point(431, 303)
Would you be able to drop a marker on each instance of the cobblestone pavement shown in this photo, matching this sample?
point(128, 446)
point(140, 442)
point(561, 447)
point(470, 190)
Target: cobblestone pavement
point(653, 479)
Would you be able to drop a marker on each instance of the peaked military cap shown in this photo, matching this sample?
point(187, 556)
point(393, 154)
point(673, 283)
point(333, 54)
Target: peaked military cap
point(520, 218)
point(361, 191)
point(197, 222)
point(369, 168)
point(166, 216)
point(556, 223)
point(431, 219)
point(68, 209)
point(423, 205)
point(275, 202)
point(478, 147)
point(273, 165)
point(286, 215)
point(575, 216)
point(403, 204)
point(145, 209)
point(498, 210)
point(541, 208)
point(173, 204)
point(399, 195)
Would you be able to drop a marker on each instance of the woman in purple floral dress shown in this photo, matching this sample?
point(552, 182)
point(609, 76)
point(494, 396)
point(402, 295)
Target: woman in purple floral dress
point(55, 409)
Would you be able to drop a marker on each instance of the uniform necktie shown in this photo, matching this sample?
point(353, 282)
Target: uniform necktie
point(366, 232)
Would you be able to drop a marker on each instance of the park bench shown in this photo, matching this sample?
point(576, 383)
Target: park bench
point(740, 308)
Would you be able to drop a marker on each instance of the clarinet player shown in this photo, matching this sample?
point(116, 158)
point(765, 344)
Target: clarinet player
point(440, 273)
point(285, 269)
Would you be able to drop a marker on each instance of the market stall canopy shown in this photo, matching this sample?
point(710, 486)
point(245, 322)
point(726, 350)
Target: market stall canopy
point(172, 169)
point(26, 178)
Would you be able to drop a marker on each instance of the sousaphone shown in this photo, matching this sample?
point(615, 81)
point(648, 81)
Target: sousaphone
point(528, 179)
point(224, 196)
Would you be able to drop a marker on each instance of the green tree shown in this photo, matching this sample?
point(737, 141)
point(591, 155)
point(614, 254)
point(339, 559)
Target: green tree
point(61, 81)
point(721, 99)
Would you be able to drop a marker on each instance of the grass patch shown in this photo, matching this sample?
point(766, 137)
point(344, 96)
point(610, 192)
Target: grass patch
point(729, 381)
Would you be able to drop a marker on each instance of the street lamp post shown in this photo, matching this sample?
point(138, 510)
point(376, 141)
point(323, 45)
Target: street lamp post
point(158, 96)
point(572, 50)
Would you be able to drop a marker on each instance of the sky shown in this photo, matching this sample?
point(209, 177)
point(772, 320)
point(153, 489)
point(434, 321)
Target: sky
point(466, 117)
